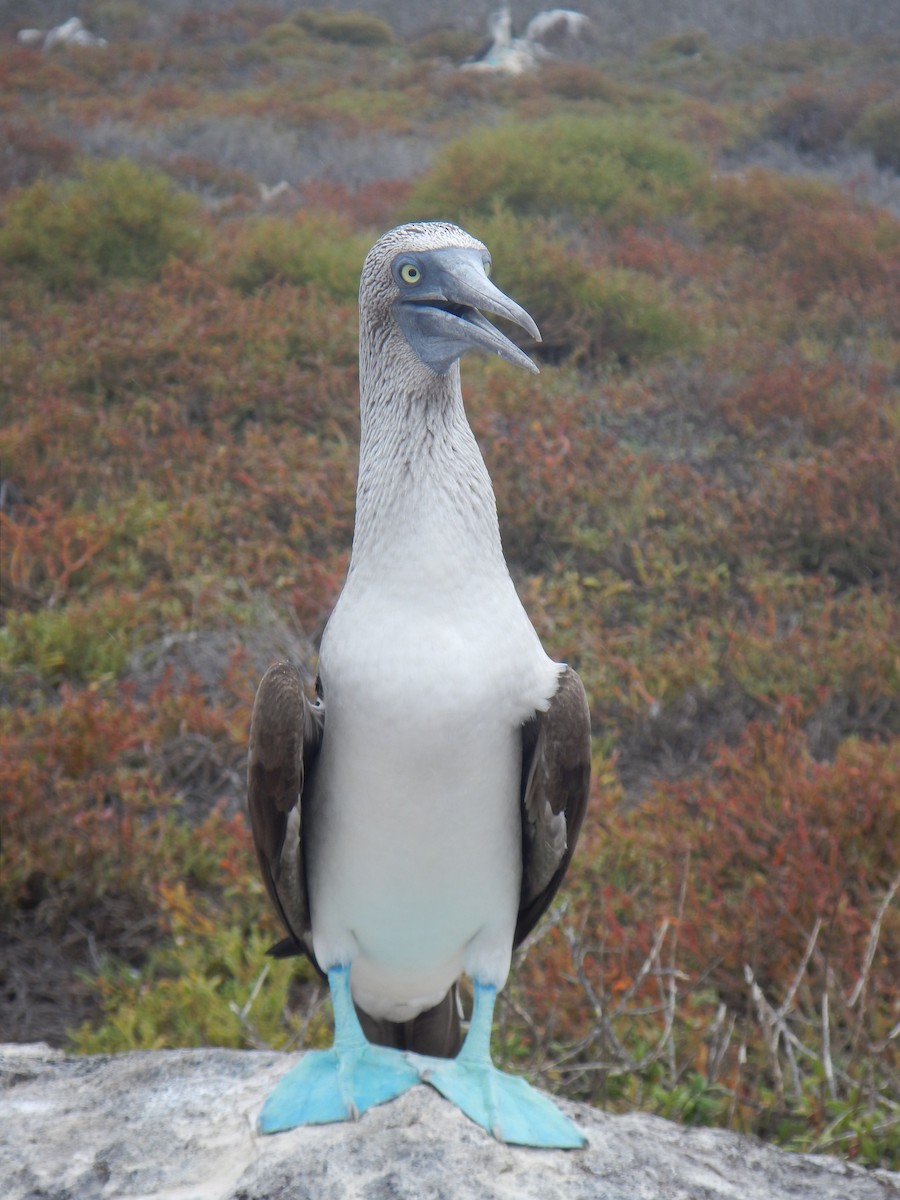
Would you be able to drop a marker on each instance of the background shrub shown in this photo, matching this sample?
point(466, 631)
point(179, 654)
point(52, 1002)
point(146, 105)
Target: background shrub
point(354, 27)
point(586, 311)
point(616, 168)
point(116, 221)
point(878, 130)
point(575, 81)
point(307, 249)
point(813, 118)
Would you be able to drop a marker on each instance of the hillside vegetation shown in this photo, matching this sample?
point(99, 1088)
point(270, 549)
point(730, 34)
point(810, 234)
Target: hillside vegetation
point(699, 498)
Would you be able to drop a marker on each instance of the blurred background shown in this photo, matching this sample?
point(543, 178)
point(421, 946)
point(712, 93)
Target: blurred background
point(699, 498)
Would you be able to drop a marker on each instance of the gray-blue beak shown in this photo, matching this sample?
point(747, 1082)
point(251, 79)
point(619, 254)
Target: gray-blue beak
point(441, 292)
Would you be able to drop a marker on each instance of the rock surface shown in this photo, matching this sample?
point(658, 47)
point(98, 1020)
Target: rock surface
point(179, 1125)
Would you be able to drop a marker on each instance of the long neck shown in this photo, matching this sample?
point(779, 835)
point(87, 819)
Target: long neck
point(424, 498)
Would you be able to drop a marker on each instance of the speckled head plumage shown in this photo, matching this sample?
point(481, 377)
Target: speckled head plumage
point(416, 236)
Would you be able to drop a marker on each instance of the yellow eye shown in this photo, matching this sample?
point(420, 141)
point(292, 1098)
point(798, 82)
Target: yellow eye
point(410, 273)
point(487, 267)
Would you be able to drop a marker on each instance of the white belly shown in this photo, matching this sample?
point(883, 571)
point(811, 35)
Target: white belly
point(412, 826)
point(414, 865)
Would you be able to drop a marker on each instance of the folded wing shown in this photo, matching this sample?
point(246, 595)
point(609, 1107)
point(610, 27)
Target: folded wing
point(285, 736)
point(556, 777)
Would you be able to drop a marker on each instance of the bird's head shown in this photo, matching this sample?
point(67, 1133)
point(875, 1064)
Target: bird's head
point(428, 282)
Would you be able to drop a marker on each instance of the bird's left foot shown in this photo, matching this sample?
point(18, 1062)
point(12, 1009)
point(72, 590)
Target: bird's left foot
point(507, 1106)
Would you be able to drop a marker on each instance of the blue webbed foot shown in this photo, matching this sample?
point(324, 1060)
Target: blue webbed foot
point(341, 1083)
point(507, 1106)
point(329, 1085)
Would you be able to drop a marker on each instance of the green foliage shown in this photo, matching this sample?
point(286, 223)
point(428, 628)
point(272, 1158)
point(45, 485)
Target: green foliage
point(616, 168)
point(354, 27)
point(208, 983)
point(117, 221)
point(284, 36)
point(75, 642)
point(585, 311)
point(878, 130)
point(311, 250)
point(692, 1101)
point(455, 44)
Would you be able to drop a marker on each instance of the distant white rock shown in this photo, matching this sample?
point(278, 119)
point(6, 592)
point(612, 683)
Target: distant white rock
point(555, 25)
point(69, 33)
point(549, 34)
point(503, 53)
point(270, 194)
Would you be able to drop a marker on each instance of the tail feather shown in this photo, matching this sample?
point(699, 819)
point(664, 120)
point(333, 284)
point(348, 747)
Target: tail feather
point(436, 1031)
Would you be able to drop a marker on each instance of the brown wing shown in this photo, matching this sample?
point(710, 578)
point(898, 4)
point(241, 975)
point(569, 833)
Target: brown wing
point(285, 736)
point(556, 780)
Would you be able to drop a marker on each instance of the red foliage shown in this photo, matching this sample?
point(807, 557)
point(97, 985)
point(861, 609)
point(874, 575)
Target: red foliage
point(733, 871)
point(818, 245)
point(777, 841)
point(814, 118)
point(838, 511)
point(42, 553)
point(29, 151)
point(70, 814)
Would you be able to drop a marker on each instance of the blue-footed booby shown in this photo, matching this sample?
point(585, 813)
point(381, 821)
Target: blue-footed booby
point(414, 819)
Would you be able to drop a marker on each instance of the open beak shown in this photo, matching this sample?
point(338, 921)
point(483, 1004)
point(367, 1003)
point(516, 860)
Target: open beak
point(441, 318)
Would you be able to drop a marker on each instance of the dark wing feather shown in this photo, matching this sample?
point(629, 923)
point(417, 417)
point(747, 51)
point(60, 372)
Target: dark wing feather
point(285, 736)
point(556, 780)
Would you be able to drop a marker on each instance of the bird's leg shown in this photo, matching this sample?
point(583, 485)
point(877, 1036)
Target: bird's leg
point(505, 1105)
point(341, 1083)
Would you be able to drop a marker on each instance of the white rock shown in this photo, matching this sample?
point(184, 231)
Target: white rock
point(179, 1125)
point(72, 33)
point(555, 24)
point(270, 194)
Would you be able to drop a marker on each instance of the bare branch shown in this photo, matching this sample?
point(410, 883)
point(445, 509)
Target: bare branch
point(872, 944)
point(243, 1013)
point(788, 1001)
point(827, 1064)
point(645, 968)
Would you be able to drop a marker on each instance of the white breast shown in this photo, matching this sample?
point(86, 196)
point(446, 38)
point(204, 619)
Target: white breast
point(413, 836)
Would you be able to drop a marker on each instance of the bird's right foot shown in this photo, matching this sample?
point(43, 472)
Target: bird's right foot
point(332, 1085)
point(341, 1083)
